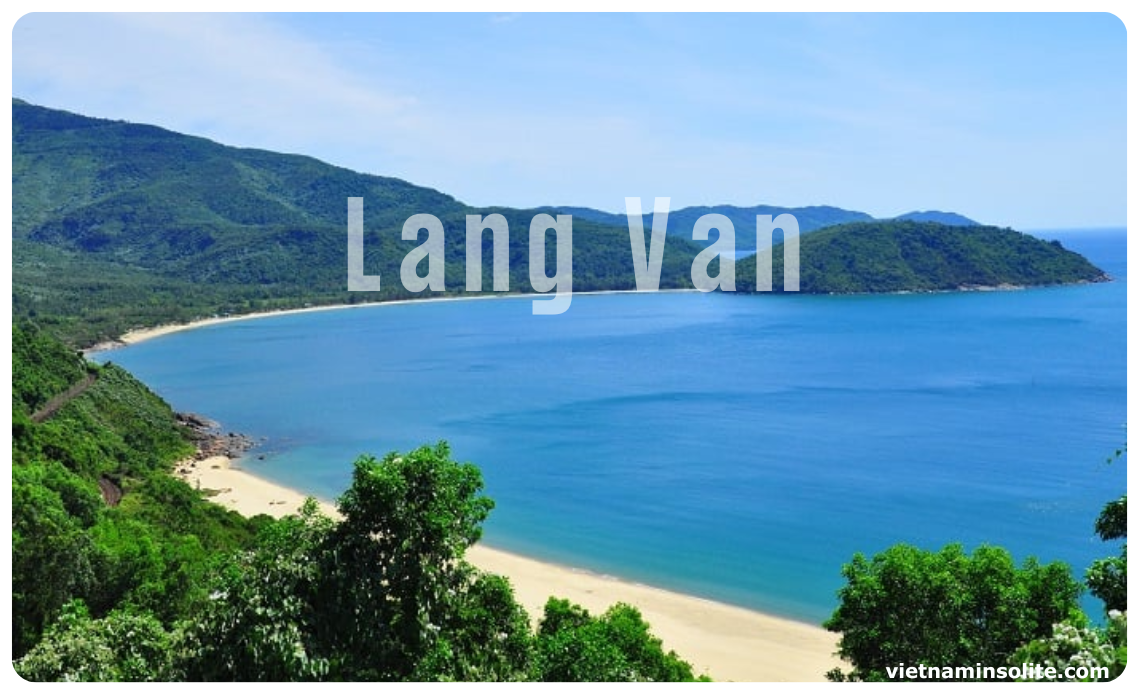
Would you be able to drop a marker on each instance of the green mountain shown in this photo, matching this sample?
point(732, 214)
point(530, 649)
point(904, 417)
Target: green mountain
point(897, 256)
point(117, 225)
point(952, 219)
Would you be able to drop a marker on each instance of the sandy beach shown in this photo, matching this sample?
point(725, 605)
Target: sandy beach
point(727, 643)
point(133, 337)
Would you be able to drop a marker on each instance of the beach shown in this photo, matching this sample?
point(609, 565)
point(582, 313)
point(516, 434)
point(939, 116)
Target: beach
point(132, 337)
point(725, 642)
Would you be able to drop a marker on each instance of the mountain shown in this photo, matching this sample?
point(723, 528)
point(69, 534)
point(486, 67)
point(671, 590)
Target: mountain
point(948, 218)
point(897, 256)
point(117, 224)
point(743, 219)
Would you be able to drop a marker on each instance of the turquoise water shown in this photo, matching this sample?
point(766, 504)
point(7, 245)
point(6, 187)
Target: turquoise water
point(736, 447)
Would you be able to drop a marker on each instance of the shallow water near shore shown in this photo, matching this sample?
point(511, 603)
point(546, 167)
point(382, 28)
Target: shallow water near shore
point(740, 448)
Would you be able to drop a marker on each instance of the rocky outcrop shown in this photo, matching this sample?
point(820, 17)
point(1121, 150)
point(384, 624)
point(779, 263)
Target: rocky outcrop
point(211, 440)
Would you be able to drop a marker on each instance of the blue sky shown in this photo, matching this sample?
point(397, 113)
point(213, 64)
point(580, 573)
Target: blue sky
point(1016, 120)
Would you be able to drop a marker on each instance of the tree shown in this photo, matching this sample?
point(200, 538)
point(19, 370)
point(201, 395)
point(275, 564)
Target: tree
point(121, 647)
point(1072, 645)
point(384, 594)
point(573, 646)
point(1108, 578)
point(945, 608)
point(395, 563)
point(51, 554)
point(486, 637)
point(257, 624)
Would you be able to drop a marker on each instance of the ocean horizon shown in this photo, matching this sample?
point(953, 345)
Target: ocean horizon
point(739, 448)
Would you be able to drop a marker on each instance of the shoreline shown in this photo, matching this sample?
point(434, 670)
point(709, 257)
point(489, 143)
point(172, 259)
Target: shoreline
point(725, 642)
point(137, 335)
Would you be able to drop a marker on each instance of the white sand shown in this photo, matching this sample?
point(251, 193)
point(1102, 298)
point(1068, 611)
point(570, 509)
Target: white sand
point(722, 641)
point(141, 334)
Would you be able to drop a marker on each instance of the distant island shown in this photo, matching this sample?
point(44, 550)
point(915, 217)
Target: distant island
point(118, 226)
point(952, 219)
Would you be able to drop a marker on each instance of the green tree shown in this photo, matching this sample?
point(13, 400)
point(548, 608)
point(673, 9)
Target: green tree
point(396, 560)
point(941, 608)
point(1108, 578)
point(258, 621)
point(121, 647)
point(573, 646)
point(486, 637)
point(383, 594)
point(51, 554)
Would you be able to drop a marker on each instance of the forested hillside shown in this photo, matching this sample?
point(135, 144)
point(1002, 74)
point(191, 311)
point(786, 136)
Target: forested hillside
point(948, 218)
point(96, 514)
point(895, 256)
point(119, 225)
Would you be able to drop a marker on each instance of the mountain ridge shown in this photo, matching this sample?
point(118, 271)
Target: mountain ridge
point(118, 225)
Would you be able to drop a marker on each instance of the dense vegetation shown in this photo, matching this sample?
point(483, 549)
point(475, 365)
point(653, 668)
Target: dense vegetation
point(913, 606)
point(897, 256)
point(123, 572)
point(811, 218)
point(150, 550)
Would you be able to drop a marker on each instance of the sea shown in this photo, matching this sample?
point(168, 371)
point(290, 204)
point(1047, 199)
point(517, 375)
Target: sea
point(739, 448)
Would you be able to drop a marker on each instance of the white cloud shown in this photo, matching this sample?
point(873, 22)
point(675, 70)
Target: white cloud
point(236, 77)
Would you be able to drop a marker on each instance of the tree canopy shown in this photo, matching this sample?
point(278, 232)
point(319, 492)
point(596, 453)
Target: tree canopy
point(913, 606)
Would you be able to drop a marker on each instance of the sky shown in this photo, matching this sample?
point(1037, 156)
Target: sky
point(1014, 120)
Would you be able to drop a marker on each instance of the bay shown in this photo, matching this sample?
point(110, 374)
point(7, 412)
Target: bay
point(740, 448)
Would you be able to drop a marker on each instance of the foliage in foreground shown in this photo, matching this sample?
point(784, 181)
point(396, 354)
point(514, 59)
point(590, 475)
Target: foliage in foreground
point(1071, 645)
point(1108, 578)
point(573, 646)
point(120, 647)
point(908, 605)
point(148, 554)
point(384, 594)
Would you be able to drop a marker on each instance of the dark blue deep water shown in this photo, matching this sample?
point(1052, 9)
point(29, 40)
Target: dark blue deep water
point(736, 447)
